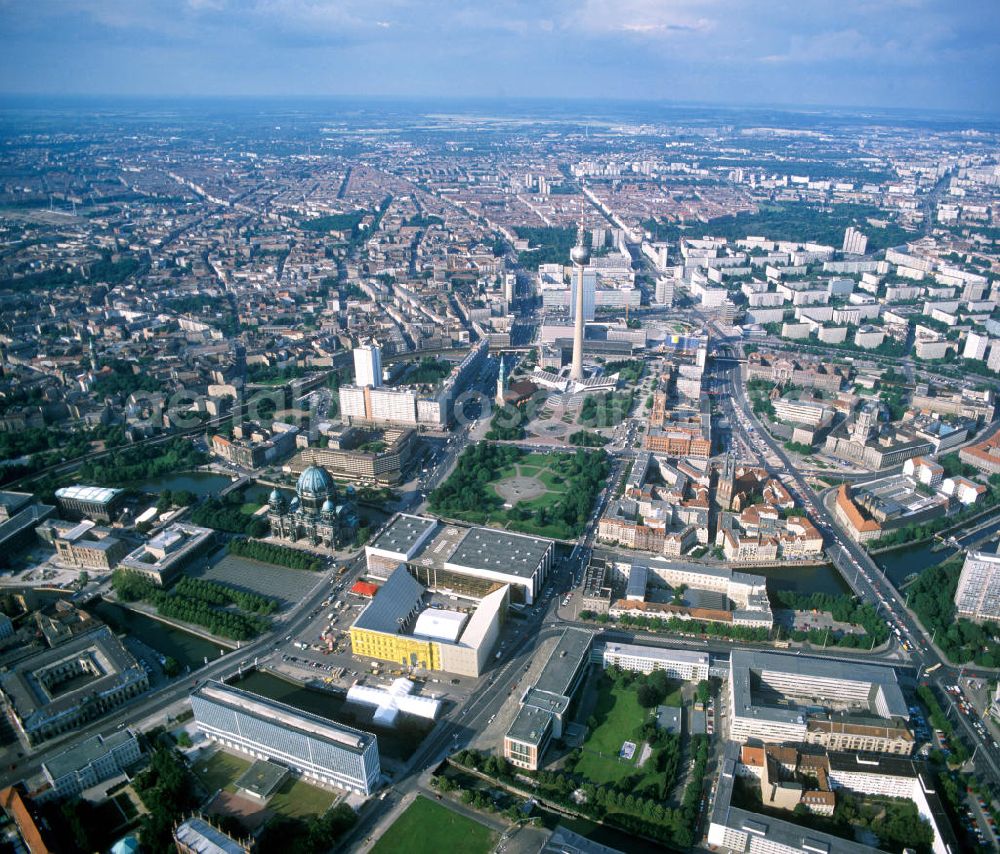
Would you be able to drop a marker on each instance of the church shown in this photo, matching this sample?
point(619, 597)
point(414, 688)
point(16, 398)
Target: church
point(314, 514)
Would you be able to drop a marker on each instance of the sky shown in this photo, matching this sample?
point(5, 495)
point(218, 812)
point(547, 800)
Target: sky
point(912, 54)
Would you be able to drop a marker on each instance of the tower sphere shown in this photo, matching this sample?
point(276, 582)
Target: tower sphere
point(580, 255)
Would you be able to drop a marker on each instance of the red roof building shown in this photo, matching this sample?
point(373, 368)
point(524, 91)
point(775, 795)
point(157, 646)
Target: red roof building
point(364, 588)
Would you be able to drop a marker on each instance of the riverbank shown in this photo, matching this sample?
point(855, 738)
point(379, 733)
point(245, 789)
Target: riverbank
point(909, 544)
point(311, 683)
point(985, 518)
point(191, 629)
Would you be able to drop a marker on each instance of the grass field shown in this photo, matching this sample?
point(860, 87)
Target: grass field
point(427, 827)
point(548, 477)
point(618, 715)
point(294, 799)
point(673, 699)
point(298, 800)
point(219, 771)
point(554, 482)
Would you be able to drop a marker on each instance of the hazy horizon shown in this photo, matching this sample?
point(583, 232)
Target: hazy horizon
point(884, 54)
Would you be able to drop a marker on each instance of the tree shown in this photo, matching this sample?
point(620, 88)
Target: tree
point(647, 696)
point(84, 578)
point(171, 666)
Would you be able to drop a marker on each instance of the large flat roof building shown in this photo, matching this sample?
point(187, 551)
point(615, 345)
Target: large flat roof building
point(317, 748)
point(977, 595)
point(164, 555)
point(18, 520)
point(732, 828)
point(840, 705)
point(396, 626)
point(683, 664)
point(471, 562)
point(91, 761)
point(60, 689)
point(99, 503)
point(544, 704)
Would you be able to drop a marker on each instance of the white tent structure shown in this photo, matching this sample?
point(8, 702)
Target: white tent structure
point(389, 702)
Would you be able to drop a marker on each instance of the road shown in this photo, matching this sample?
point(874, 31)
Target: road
point(158, 702)
point(863, 574)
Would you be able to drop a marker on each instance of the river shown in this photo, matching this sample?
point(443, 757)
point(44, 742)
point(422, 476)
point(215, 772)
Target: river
point(802, 579)
point(201, 483)
point(397, 742)
point(189, 650)
point(901, 563)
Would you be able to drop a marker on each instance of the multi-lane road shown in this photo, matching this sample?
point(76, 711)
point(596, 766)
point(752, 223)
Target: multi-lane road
point(861, 572)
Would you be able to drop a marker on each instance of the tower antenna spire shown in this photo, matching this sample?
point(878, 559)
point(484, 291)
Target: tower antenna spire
point(580, 256)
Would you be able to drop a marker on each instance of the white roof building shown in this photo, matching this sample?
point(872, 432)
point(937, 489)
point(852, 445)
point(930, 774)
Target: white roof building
point(440, 625)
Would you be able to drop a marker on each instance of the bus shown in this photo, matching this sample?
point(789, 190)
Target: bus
point(933, 667)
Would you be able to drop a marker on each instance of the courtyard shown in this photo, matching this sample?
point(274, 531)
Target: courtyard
point(294, 798)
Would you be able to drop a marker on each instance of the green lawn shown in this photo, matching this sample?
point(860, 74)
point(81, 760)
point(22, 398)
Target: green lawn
point(544, 474)
point(547, 500)
point(427, 827)
point(250, 508)
point(673, 699)
point(619, 716)
point(219, 771)
point(535, 459)
point(548, 477)
point(295, 798)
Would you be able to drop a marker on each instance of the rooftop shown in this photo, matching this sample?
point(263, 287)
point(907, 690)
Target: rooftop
point(394, 604)
point(500, 551)
point(29, 516)
point(196, 834)
point(262, 778)
point(529, 725)
point(32, 702)
point(14, 501)
point(403, 534)
point(95, 494)
point(882, 681)
point(684, 656)
point(557, 675)
point(296, 721)
point(440, 624)
point(82, 753)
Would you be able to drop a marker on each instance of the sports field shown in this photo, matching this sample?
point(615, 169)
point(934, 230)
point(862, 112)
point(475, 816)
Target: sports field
point(427, 827)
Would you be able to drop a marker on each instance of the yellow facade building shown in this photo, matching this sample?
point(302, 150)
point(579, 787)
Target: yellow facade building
point(397, 627)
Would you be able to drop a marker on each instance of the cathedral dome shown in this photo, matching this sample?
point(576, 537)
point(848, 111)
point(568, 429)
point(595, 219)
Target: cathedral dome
point(314, 481)
point(274, 497)
point(328, 506)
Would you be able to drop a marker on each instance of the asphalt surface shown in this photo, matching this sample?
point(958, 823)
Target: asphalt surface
point(867, 579)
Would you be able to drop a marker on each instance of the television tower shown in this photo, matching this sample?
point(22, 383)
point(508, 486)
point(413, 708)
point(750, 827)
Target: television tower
point(580, 255)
